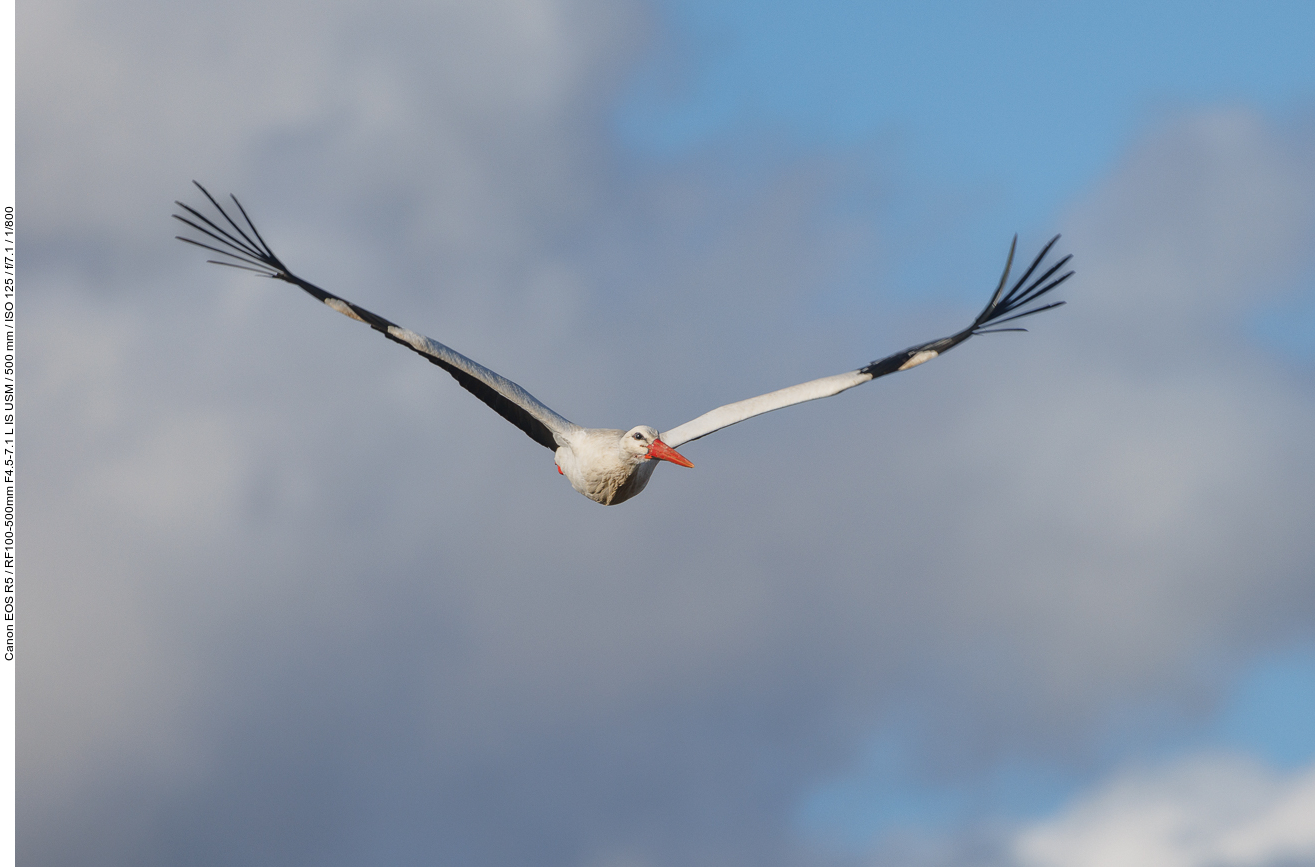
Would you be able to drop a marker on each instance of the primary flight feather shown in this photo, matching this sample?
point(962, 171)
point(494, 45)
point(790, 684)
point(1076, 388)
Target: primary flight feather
point(606, 465)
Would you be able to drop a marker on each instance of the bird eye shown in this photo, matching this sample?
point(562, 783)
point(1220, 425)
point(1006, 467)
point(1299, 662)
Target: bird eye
point(639, 436)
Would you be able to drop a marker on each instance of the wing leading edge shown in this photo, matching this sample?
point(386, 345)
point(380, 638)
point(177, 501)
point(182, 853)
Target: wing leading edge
point(1003, 307)
point(249, 252)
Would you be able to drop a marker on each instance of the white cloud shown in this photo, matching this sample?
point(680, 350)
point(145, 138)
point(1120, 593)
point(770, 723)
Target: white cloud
point(1203, 811)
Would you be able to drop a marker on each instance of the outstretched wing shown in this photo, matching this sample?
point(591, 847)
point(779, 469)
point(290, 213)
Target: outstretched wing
point(998, 311)
point(248, 251)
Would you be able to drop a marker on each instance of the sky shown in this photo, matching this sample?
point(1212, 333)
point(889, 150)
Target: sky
point(292, 596)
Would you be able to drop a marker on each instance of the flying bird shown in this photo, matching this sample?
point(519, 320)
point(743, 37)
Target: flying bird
point(610, 466)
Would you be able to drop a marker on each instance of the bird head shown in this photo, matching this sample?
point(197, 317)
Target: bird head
point(643, 444)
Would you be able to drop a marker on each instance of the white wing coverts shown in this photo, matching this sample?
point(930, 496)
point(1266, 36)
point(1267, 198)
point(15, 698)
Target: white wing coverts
point(506, 398)
point(996, 313)
point(244, 248)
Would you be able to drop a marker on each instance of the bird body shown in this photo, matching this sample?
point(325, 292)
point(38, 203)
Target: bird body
point(610, 466)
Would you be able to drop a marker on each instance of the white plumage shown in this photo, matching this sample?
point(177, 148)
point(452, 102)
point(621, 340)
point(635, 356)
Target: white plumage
point(606, 465)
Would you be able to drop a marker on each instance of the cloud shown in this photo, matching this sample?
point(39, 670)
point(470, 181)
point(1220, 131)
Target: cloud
point(292, 595)
point(1202, 811)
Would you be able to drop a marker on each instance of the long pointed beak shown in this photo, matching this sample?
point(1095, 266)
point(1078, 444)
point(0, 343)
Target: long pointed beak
point(664, 452)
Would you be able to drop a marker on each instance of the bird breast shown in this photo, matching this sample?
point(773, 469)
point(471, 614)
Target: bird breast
point(597, 466)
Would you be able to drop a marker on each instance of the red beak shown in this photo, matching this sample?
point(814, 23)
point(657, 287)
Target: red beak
point(664, 452)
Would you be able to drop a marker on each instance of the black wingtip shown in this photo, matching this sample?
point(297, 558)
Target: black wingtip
point(1003, 307)
point(1024, 292)
point(249, 252)
point(230, 239)
point(1004, 277)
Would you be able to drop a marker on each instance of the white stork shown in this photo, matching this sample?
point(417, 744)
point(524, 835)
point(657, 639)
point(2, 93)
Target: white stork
point(611, 466)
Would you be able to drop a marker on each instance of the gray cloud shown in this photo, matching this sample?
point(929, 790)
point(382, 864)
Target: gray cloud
point(292, 596)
